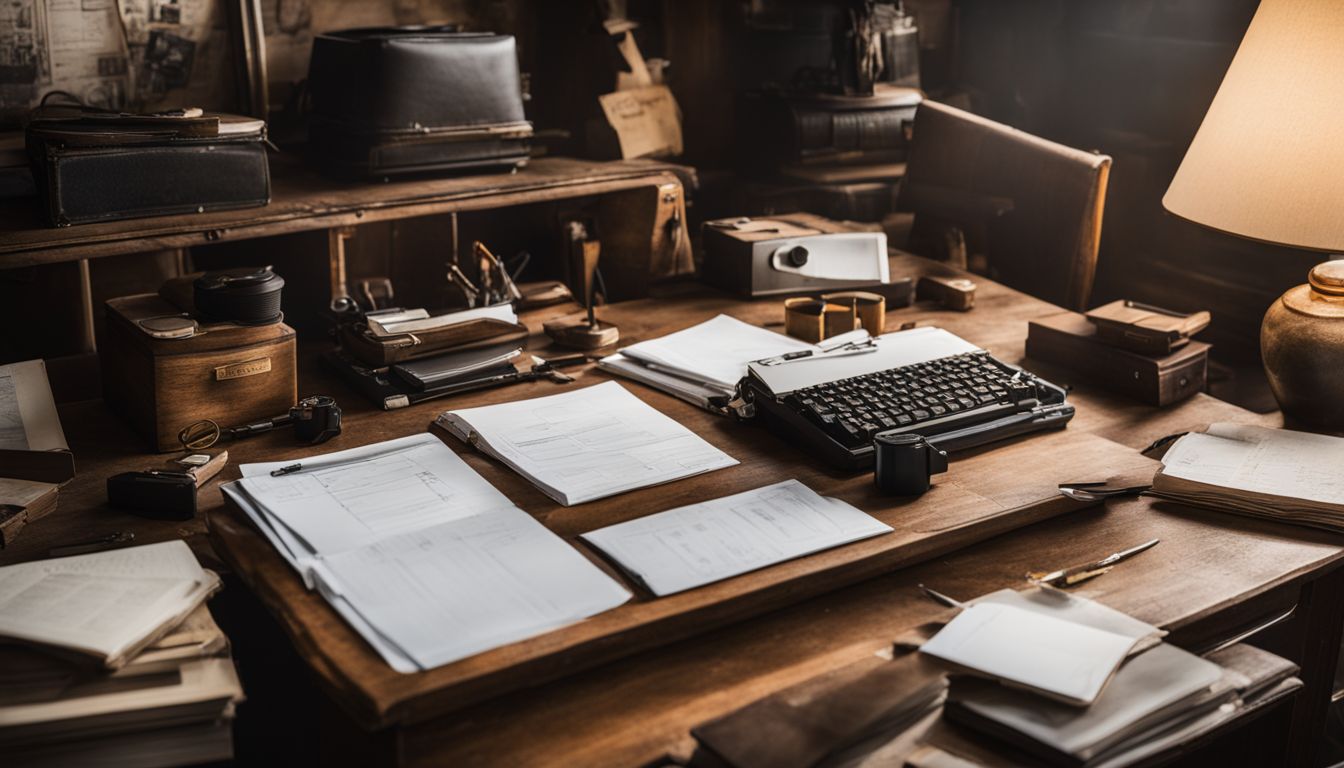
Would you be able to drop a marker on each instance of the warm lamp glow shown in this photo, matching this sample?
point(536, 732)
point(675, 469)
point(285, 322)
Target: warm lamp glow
point(1268, 161)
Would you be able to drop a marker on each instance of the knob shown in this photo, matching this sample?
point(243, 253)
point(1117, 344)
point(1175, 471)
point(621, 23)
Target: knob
point(797, 256)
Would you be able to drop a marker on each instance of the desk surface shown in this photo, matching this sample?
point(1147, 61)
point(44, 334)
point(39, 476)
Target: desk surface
point(638, 708)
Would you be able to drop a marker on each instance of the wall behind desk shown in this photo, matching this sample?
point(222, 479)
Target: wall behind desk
point(1132, 79)
point(162, 54)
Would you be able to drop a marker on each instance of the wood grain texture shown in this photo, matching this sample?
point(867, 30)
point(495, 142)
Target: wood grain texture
point(302, 199)
point(986, 494)
point(636, 709)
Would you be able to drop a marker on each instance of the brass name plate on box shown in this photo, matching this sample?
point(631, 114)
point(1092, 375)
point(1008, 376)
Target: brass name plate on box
point(239, 370)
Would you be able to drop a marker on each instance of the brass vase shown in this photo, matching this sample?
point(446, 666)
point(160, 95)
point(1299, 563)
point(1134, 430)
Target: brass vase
point(1302, 344)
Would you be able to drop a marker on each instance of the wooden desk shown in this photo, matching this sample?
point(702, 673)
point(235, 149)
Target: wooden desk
point(303, 199)
point(1213, 578)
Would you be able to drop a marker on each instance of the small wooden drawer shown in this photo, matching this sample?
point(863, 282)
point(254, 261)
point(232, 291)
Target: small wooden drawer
point(228, 373)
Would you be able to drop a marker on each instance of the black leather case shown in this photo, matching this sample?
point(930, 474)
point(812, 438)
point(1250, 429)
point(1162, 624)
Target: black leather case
point(397, 100)
point(109, 174)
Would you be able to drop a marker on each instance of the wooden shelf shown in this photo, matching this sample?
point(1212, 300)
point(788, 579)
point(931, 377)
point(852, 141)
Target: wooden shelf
point(302, 200)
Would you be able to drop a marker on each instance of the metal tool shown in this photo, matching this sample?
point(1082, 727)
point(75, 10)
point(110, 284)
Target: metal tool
point(469, 290)
point(110, 541)
point(1077, 574)
point(1099, 491)
point(939, 597)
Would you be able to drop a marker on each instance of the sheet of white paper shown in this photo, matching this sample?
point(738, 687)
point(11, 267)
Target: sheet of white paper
point(28, 418)
point(1145, 684)
point(1031, 649)
point(1079, 610)
point(894, 350)
point(454, 590)
point(1278, 462)
point(703, 543)
point(345, 500)
point(587, 443)
point(385, 328)
point(716, 351)
point(695, 393)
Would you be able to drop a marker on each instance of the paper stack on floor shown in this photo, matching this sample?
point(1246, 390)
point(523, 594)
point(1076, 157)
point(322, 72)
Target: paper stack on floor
point(423, 557)
point(1278, 474)
point(586, 444)
point(115, 661)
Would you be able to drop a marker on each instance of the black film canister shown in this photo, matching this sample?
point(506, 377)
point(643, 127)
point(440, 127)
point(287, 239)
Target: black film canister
point(903, 463)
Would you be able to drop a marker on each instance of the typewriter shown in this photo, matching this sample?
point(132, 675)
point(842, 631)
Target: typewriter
point(924, 381)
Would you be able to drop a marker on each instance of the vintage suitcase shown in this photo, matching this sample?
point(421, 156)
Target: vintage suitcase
point(231, 374)
point(94, 166)
point(1069, 341)
point(396, 100)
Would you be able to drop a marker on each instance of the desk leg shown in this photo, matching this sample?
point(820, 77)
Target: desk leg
point(1322, 611)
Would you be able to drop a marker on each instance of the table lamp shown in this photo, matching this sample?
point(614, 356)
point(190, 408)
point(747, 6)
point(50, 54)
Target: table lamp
point(1268, 164)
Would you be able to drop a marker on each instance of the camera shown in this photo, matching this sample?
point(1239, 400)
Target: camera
point(316, 419)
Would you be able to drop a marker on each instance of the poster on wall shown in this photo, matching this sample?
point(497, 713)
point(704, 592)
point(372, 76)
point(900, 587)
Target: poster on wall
point(115, 54)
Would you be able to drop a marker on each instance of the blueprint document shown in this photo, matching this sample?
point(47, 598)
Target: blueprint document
point(586, 444)
point(699, 544)
point(422, 556)
point(347, 499)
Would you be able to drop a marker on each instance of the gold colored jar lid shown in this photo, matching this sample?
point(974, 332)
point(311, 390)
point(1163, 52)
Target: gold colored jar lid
point(1328, 278)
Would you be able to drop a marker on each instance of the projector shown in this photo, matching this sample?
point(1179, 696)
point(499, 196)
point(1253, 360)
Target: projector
point(796, 254)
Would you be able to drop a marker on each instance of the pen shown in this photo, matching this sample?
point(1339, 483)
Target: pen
point(1067, 577)
point(940, 597)
point(803, 354)
point(92, 545)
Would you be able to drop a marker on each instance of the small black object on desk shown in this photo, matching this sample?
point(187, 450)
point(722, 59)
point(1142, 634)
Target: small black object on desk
point(903, 464)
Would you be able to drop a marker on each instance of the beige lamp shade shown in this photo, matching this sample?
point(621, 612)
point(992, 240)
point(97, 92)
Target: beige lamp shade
point(1268, 161)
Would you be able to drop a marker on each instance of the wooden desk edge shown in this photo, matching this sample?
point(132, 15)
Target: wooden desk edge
point(247, 553)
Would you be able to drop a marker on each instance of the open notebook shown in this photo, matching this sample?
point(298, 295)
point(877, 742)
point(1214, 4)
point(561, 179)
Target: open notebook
point(1279, 474)
point(587, 443)
point(107, 605)
point(703, 364)
point(423, 557)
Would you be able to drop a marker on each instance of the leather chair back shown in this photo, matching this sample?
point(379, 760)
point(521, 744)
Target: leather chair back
point(1031, 207)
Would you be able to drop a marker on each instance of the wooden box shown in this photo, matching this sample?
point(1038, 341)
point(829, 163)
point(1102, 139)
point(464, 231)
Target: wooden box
point(230, 374)
point(1069, 341)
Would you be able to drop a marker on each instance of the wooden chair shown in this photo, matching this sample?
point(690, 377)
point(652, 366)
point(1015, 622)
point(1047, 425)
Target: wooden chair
point(1026, 211)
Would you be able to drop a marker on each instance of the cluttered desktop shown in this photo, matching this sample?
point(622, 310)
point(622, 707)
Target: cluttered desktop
point(760, 489)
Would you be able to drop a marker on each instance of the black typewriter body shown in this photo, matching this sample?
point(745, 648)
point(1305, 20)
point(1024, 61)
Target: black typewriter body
point(955, 402)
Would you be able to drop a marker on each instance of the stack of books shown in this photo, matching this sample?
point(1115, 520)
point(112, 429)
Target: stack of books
point(1073, 683)
point(113, 659)
point(1277, 474)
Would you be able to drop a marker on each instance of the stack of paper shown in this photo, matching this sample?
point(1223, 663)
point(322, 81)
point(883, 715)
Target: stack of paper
point(1071, 680)
point(691, 546)
point(22, 502)
point(171, 697)
point(108, 605)
point(702, 362)
point(423, 557)
point(586, 444)
point(1034, 651)
point(1277, 474)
